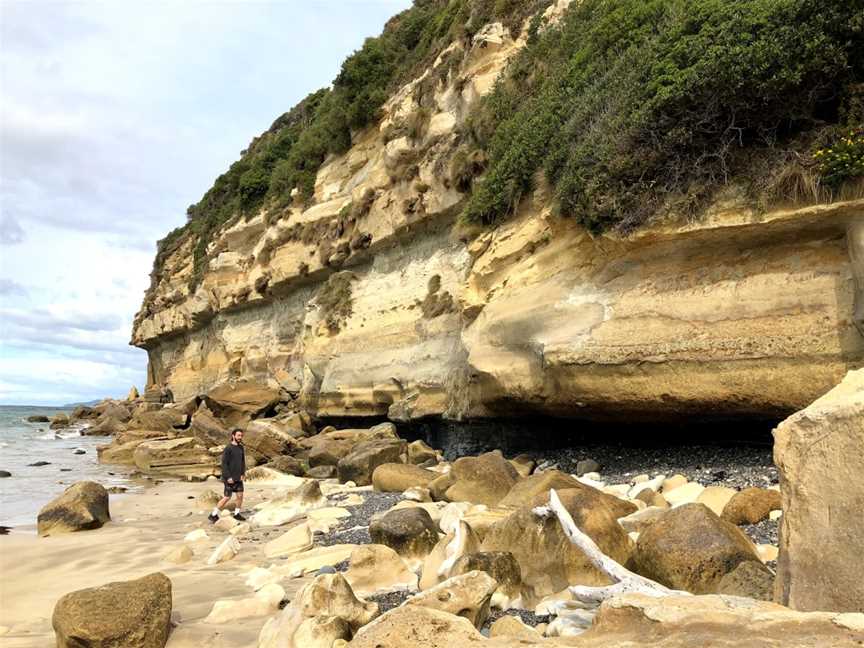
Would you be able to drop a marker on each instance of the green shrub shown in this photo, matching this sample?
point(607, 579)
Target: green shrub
point(632, 105)
point(843, 160)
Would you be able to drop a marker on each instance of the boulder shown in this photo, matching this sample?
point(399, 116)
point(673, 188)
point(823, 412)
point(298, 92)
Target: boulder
point(59, 421)
point(528, 489)
point(419, 452)
point(328, 452)
point(690, 548)
point(226, 551)
point(523, 464)
point(375, 568)
point(511, 626)
point(207, 429)
point(438, 566)
point(328, 595)
point(287, 465)
point(113, 409)
point(500, 565)
point(820, 455)
point(82, 506)
point(321, 632)
point(481, 480)
point(414, 626)
point(467, 595)
point(438, 487)
point(166, 420)
point(399, 477)
point(266, 440)
point(716, 498)
point(183, 456)
point(365, 457)
point(265, 601)
point(38, 418)
point(587, 466)
point(410, 532)
point(105, 426)
point(296, 539)
point(133, 394)
point(751, 579)
point(127, 614)
point(297, 424)
point(548, 560)
point(321, 472)
point(239, 402)
point(179, 555)
point(751, 505)
point(640, 621)
point(84, 413)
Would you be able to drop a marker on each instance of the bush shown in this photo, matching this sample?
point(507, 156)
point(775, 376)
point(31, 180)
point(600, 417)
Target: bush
point(632, 105)
point(843, 160)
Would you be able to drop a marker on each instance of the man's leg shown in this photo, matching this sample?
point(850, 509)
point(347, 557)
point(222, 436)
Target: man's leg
point(239, 495)
point(223, 502)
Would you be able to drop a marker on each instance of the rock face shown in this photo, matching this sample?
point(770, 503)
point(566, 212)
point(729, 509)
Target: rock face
point(690, 548)
point(130, 614)
point(82, 506)
point(820, 455)
point(532, 316)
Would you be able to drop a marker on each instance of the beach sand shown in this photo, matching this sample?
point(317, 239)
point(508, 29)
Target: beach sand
point(35, 572)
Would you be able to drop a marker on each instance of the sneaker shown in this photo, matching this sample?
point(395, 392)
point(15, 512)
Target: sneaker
point(239, 516)
point(213, 518)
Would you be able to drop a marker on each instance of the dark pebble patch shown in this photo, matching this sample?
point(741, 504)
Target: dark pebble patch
point(354, 529)
point(390, 600)
point(764, 532)
point(527, 617)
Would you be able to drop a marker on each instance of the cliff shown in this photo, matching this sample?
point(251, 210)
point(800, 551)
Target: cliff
point(372, 297)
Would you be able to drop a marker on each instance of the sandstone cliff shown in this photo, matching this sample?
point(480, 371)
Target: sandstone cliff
point(369, 301)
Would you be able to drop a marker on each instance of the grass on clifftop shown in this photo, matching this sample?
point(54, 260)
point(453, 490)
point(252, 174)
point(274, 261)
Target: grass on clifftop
point(635, 106)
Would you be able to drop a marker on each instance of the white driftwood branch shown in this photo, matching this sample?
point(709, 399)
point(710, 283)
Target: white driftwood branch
point(577, 614)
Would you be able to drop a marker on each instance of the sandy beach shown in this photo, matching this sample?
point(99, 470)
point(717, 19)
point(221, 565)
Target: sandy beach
point(144, 527)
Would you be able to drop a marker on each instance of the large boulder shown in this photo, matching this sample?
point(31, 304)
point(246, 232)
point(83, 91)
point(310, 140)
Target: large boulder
point(359, 464)
point(500, 565)
point(166, 420)
point(265, 440)
point(126, 614)
point(113, 409)
point(82, 506)
point(820, 455)
point(415, 626)
point(59, 421)
point(207, 429)
point(438, 565)
point(105, 426)
point(482, 480)
point(548, 560)
point(121, 450)
point(328, 452)
point(238, 402)
point(375, 568)
point(640, 621)
point(399, 477)
point(287, 465)
point(410, 532)
point(751, 579)
point(467, 595)
point(690, 548)
point(182, 457)
point(419, 452)
point(751, 505)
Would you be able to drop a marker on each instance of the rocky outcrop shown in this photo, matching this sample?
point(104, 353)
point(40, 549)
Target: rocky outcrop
point(131, 614)
point(820, 455)
point(180, 457)
point(744, 312)
point(82, 506)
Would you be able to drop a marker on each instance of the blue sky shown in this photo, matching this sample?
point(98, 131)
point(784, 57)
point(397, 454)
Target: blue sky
point(114, 117)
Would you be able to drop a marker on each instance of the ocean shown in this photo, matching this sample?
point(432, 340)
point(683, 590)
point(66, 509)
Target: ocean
point(31, 487)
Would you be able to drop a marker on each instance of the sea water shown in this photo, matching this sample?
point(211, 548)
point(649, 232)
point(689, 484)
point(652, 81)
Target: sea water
point(31, 487)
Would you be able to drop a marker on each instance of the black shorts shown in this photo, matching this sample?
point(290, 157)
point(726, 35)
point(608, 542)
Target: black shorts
point(236, 487)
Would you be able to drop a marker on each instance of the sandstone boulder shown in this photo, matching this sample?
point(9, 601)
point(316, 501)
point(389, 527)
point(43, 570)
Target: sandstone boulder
point(512, 627)
point(296, 539)
point(82, 506)
point(438, 487)
point(523, 464)
point(413, 626)
point(365, 457)
point(500, 565)
point(410, 532)
point(467, 595)
point(266, 440)
point(183, 456)
point(105, 426)
point(438, 566)
point(690, 548)
point(419, 452)
point(238, 402)
point(547, 559)
point(166, 420)
point(321, 472)
point(751, 505)
point(751, 579)
point(376, 568)
point(482, 480)
point(129, 614)
point(207, 429)
point(328, 452)
point(133, 394)
point(819, 452)
point(113, 409)
point(60, 420)
point(321, 632)
point(398, 477)
point(287, 465)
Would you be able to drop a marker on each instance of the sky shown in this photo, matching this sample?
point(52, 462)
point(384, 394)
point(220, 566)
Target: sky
point(114, 117)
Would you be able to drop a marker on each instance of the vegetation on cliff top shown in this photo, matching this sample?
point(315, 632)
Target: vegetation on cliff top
point(636, 106)
point(629, 107)
point(289, 154)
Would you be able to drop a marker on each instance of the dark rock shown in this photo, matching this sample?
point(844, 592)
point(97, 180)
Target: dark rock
point(321, 472)
point(82, 506)
point(40, 463)
point(587, 466)
point(751, 579)
point(410, 532)
point(80, 451)
point(38, 418)
point(5, 473)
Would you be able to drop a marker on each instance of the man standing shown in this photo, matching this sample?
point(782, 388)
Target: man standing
point(233, 473)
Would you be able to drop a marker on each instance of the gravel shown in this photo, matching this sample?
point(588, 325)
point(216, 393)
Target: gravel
point(355, 528)
point(764, 532)
point(528, 618)
point(389, 600)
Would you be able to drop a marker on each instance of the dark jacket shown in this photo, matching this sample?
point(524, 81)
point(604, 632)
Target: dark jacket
point(233, 462)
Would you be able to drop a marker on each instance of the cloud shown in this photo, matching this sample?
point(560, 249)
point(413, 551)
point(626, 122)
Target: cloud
point(11, 232)
point(9, 288)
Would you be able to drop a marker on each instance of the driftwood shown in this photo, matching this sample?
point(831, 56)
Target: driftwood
point(577, 615)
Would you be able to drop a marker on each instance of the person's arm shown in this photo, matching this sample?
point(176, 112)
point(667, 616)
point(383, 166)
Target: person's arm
point(226, 469)
point(242, 463)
